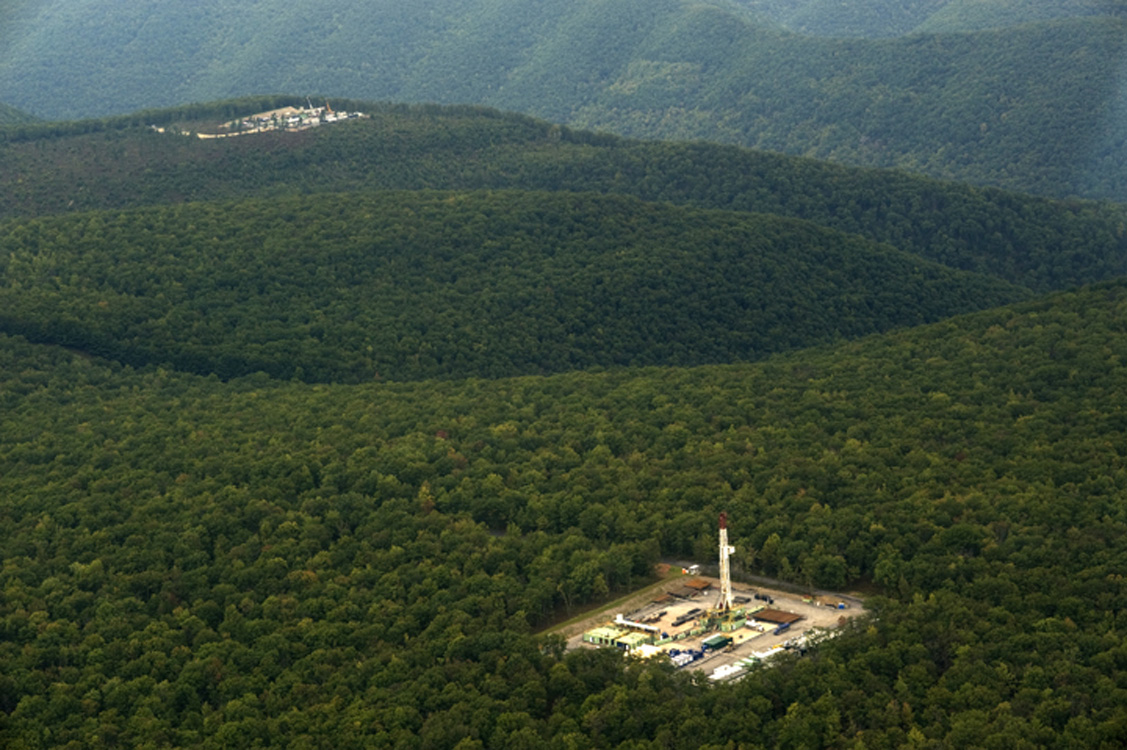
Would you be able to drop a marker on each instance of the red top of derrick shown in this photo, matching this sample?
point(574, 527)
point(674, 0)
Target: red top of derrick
point(723, 520)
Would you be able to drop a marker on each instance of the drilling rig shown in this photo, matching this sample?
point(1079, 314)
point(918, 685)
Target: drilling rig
point(724, 606)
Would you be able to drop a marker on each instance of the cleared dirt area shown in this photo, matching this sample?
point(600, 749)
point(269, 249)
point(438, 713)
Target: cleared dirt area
point(676, 612)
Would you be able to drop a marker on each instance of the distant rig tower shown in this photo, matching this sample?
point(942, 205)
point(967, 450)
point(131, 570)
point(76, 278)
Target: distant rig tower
point(725, 603)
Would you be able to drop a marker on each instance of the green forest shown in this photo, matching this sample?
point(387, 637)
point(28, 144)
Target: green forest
point(1022, 94)
point(11, 116)
point(971, 15)
point(415, 285)
point(255, 563)
point(121, 163)
point(307, 440)
point(891, 18)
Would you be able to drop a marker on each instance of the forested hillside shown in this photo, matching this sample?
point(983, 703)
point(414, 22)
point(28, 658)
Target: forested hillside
point(889, 18)
point(193, 563)
point(307, 438)
point(12, 116)
point(1036, 107)
point(973, 15)
point(420, 285)
point(873, 19)
point(120, 163)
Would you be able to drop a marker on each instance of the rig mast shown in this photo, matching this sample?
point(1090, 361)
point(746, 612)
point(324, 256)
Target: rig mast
point(725, 603)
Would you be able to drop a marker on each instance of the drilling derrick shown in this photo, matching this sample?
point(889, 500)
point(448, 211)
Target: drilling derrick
point(725, 603)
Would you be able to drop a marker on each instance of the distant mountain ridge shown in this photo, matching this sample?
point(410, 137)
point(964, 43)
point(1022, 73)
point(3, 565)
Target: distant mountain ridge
point(1035, 242)
point(1032, 107)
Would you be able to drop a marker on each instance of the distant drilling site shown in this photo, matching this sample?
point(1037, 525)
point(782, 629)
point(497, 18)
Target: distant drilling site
point(708, 625)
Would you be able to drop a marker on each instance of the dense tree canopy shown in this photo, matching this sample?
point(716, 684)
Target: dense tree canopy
point(889, 18)
point(189, 562)
point(12, 116)
point(306, 439)
point(413, 285)
point(1022, 94)
point(119, 163)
